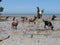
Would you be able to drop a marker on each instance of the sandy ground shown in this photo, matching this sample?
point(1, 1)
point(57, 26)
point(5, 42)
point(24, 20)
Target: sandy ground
point(22, 35)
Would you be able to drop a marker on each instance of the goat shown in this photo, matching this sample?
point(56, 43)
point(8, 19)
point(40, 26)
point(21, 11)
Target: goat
point(23, 19)
point(48, 23)
point(32, 20)
point(15, 24)
point(53, 17)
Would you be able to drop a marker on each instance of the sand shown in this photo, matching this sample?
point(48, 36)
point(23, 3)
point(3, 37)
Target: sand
point(22, 35)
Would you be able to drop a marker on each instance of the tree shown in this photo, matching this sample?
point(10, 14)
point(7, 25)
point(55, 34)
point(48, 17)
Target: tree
point(1, 9)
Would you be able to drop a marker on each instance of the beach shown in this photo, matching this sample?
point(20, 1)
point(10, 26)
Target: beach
point(22, 35)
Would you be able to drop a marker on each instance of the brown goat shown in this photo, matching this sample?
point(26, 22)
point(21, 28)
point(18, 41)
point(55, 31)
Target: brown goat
point(15, 24)
point(32, 20)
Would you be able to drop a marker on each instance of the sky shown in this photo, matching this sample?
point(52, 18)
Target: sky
point(29, 6)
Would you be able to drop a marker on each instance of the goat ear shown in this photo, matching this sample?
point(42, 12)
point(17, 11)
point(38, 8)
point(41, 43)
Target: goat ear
point(42, 10)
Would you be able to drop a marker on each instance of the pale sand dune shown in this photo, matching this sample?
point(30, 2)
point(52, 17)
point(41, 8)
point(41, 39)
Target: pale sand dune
point(22, 36)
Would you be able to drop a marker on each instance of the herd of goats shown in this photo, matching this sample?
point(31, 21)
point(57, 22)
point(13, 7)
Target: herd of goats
point(33, 20)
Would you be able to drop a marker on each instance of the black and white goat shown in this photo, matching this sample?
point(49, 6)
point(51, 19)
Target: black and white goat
point(48, 23)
